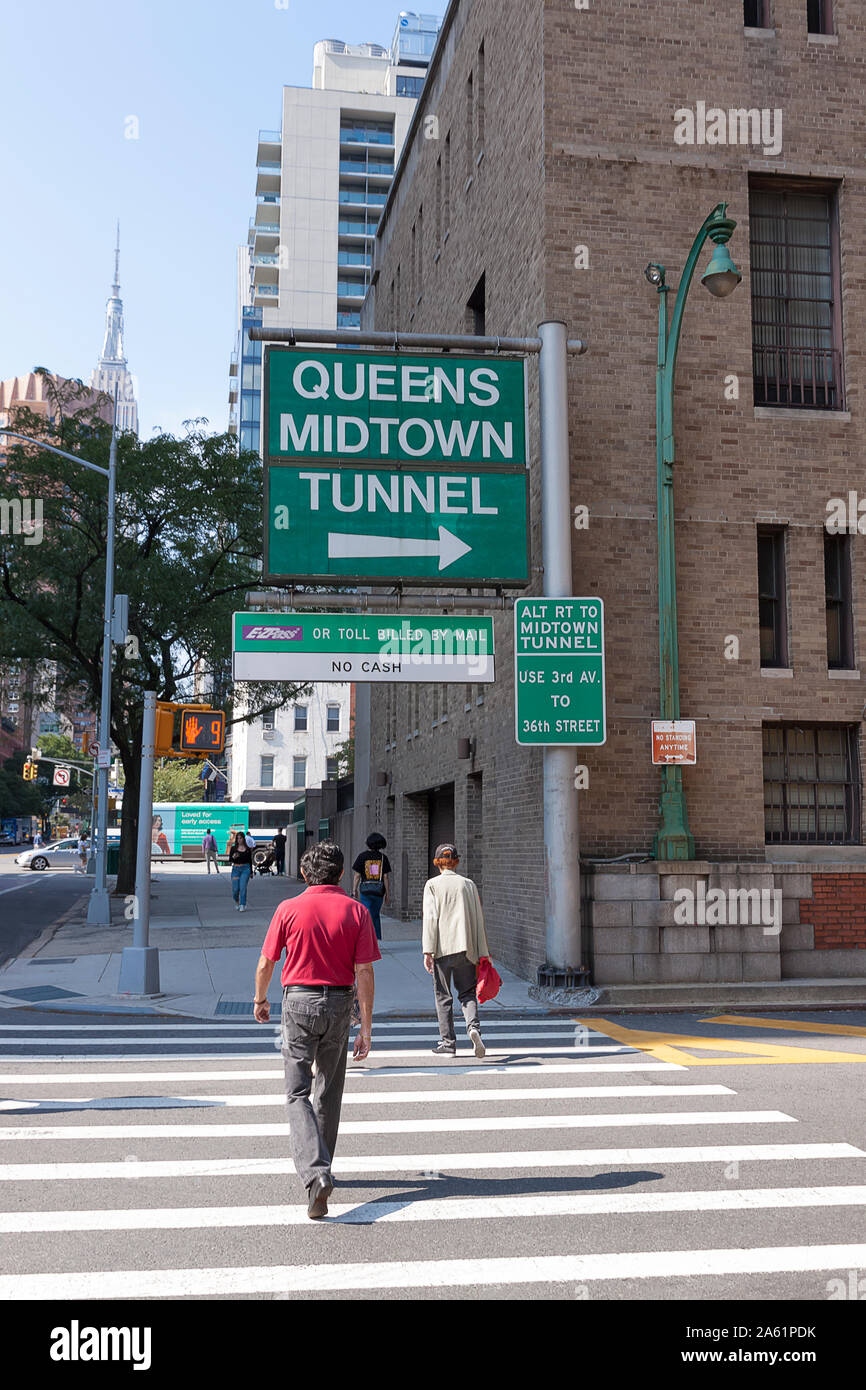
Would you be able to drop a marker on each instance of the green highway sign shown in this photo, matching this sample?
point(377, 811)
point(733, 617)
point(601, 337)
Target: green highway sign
point(330, 524)
point(397, 407)
point(360, 647)
point(559, 670)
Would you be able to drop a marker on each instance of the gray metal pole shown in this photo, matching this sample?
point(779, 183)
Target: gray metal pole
point(561, 839)
point(139, 963)
point(99, 907)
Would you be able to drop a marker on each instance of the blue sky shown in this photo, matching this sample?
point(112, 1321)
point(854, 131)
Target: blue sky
point(201, 79)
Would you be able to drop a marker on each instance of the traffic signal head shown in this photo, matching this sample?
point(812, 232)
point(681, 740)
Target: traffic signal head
point(202, 730)
point(164, 730)
point(29, 772)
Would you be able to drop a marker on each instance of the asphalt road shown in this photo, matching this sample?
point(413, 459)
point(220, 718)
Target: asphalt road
point(154, 1161)
point(31, 901)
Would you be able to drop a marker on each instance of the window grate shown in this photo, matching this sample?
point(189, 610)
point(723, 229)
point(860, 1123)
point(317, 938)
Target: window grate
point(796, 322)
point(811, 784)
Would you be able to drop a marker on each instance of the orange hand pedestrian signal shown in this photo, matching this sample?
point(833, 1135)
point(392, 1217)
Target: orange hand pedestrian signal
point(202, 731)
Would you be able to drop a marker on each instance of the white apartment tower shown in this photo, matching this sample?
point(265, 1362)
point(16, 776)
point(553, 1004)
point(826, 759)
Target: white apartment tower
point(321, 184)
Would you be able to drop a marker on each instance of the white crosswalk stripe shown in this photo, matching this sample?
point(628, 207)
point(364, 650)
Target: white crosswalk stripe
point(198, 1174)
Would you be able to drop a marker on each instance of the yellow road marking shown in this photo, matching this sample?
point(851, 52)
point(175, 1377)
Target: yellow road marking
point(672, 1047)
point(845, 1030)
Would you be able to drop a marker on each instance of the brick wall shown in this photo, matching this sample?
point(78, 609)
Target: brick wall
point(578, 150)
point(837, 911)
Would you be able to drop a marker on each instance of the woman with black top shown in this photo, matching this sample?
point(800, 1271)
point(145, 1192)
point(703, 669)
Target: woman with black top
point(241, 860)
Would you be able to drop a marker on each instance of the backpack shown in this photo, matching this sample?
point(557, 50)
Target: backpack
point(374, 874)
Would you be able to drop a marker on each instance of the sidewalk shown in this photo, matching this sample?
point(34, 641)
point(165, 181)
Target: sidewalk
point(208, 954)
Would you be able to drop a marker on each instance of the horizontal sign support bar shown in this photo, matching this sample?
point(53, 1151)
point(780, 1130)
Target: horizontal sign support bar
point(289, 599)
point(458, 341)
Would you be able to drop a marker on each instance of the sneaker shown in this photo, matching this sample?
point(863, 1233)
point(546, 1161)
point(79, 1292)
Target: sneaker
point(242, 908)
point(445, 1049)
point(475, 1039)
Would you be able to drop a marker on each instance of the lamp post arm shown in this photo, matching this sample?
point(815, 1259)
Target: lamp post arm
point(73, 458)
point(673, 337)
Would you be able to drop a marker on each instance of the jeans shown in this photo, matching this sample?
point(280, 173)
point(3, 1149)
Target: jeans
point(240, 879)
point(315, 1028)
point(211, 854)
point(460, 971)
point(280, 860)
point(373, 903)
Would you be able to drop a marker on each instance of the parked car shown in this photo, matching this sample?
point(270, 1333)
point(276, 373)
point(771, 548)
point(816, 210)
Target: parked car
point(47, 856)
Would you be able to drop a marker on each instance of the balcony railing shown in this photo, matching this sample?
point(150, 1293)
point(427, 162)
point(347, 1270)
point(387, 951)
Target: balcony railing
point(353, 258)
point(271, 291)
point(799, 377)
point(351, 289)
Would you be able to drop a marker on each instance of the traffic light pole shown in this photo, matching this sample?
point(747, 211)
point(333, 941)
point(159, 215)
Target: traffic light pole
point(139, 963)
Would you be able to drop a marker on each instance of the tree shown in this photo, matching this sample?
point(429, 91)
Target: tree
point(174, 780)
point(188, 547)
point(17, 797)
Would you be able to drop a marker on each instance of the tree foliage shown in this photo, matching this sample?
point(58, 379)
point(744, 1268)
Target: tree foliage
point(188, 547)
point(174, 780)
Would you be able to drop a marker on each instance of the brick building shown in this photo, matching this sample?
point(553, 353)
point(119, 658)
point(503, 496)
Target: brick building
point(554, 151)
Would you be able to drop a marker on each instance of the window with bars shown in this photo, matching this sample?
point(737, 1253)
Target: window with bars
point(840, 617)
point(819, 16)
point(772, 597)
point(796, 301)
point(811, 784)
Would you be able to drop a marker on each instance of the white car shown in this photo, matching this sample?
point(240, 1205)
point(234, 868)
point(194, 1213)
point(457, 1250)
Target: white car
point(46, 856)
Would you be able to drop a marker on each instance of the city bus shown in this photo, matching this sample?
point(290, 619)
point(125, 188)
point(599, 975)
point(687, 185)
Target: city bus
point(178, 824)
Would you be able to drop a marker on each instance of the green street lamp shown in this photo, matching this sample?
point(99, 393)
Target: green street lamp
point(673, 839)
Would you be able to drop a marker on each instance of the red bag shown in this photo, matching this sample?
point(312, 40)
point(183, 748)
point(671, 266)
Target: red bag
point(487, 981)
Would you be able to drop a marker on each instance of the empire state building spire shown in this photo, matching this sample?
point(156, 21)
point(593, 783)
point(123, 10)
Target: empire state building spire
point(111, 370)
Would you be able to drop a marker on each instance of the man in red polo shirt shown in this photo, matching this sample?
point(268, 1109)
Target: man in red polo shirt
point(330, 944)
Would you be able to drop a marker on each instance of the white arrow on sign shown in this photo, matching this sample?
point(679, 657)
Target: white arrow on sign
point(343, 546)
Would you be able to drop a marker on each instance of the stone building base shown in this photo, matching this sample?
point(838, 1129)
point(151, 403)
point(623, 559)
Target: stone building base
point(718, 923)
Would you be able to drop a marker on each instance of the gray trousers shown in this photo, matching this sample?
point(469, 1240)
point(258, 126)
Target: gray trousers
point(460, 971)
point(211, 854)
point(315, 1028)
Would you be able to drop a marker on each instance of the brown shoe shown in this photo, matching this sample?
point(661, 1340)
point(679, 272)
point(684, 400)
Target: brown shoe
point(319, 1191)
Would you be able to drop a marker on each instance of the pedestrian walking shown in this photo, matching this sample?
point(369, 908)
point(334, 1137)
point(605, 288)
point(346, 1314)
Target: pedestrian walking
point(279, 843)
point(329, 944)
point(371, 879)
point(37, 840)
point(82, 854)
point(241, 860)
point(453, 941)
point(209, 846)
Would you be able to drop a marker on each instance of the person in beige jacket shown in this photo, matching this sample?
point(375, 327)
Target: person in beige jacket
point(453, 941)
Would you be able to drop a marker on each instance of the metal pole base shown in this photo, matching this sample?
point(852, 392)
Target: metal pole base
point(99, 908)
point(139, 970)
point(552, 977)
point(673, 838)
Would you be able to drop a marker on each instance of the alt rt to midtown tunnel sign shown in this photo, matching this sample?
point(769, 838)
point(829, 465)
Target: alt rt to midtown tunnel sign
point(360, 647)
point(385, 467)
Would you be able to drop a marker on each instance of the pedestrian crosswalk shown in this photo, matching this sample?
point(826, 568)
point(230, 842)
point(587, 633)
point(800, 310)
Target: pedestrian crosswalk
point(144, 1171)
